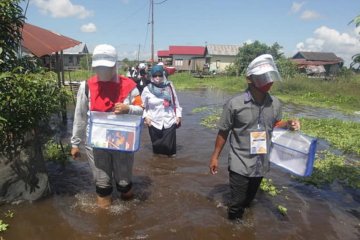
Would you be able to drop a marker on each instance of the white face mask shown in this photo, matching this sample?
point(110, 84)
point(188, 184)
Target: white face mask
point(105, 73)
point(158, 80)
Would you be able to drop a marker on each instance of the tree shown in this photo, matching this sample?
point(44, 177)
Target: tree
point(356, 20)
point(356, 58)
point(85, 62)
point(11, 23)
point(250, 51)
point(355, 64)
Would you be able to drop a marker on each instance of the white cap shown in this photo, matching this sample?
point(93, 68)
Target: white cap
point(160, 64)
point(142, 66)
point(260, 65)
point(104, 55)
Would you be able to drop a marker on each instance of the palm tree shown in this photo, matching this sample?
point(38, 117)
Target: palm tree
point(356, 58)
point(356, 20)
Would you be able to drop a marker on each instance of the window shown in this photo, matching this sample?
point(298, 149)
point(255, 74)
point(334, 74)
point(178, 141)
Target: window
point(178, 62)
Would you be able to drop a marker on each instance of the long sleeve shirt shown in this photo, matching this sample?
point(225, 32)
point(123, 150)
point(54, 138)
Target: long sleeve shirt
point(160, 115)
point(82, 113)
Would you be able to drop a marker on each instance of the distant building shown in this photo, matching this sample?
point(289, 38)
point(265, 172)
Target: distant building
point(184, 58)
point(318, 64)
point(220, 56)
point(73, 55)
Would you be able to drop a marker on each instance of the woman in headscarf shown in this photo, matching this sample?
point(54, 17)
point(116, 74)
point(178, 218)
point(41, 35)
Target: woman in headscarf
point(162, 112)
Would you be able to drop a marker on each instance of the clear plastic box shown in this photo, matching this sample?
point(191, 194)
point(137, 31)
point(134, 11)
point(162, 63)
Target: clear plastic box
point(120, 132)
point(293, 151)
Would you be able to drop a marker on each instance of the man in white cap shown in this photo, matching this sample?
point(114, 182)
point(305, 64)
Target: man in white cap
point(106, 91)
point(249, 118)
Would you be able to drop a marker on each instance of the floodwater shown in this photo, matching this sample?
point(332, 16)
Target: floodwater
point(177, 198)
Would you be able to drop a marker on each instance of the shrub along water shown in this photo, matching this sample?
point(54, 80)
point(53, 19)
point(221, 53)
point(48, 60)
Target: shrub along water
point(340, 93)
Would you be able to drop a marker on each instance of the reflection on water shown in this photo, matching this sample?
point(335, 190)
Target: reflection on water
point(176, 198)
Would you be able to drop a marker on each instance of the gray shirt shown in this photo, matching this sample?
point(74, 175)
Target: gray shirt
point(241, 115)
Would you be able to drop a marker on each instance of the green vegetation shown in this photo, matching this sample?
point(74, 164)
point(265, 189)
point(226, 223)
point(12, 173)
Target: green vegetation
point(57, 152)
point(268, 187)
point(4, 226)
point(250, 51)
point(340, 94)
point(12, 20)
point(342, 135)
point(230, 84)
point(26, 102)
point(77, 76)
point(329, 167)
point(282, 209)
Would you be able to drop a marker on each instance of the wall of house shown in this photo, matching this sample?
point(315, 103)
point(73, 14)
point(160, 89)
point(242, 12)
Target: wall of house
point(71, 61)
point(188, 63)
point(219, 63)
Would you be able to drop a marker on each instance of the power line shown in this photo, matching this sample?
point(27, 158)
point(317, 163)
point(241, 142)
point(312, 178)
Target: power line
point(161, 2)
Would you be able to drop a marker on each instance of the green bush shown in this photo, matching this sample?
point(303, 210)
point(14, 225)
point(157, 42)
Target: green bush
point(57, 152)
point(26, 102)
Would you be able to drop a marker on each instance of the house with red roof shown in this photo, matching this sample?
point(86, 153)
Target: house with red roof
point(184, 58)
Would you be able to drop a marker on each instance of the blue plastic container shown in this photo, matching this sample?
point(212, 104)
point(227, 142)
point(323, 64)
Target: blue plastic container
point(293, 151)
point(119, 132)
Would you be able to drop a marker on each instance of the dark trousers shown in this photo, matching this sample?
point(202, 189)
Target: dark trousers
point(243, 190)
point(164, 140)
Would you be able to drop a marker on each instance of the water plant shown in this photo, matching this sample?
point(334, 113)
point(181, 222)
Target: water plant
point(343, 135)
point(330, 167)
point(268, 187)
point(57, 152)
point(199, 109)
point(3, 226)
point(282, 209)
point(9, 214)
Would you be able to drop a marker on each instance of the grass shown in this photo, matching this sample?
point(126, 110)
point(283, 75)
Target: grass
point(328, 167)
point(339, 94)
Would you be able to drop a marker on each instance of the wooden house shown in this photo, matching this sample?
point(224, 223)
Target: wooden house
point(73, 55)
point(220, 56)
point(185, 58)
point(318, 64)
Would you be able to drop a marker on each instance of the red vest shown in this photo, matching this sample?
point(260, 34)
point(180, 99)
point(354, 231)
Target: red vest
point(104, 95)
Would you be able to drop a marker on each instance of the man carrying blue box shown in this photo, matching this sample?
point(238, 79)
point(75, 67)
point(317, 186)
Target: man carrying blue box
point(249, 118)
point(106, 91)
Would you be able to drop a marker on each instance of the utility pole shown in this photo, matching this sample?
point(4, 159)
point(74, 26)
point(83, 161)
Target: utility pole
point(152, 30)
point(138, 55)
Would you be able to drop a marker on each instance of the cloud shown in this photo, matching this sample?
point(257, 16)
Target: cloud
point(309, 15)
point(326, 39)
point(296, 6)
point(90, 27)
point(62, 8)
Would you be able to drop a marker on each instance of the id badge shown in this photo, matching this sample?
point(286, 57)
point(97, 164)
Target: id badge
point(258, 142)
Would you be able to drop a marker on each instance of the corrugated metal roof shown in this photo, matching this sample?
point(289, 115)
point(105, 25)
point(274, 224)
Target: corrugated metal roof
point(187, 50)
point(317, 56)
point(225, 50)
point(42, 42)
point(163, 53)
point(304, 62)
point(81, 48)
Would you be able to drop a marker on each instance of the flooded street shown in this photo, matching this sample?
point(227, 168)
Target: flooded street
point(177, 198)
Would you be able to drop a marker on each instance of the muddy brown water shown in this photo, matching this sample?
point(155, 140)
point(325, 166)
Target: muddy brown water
point(176, 198)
